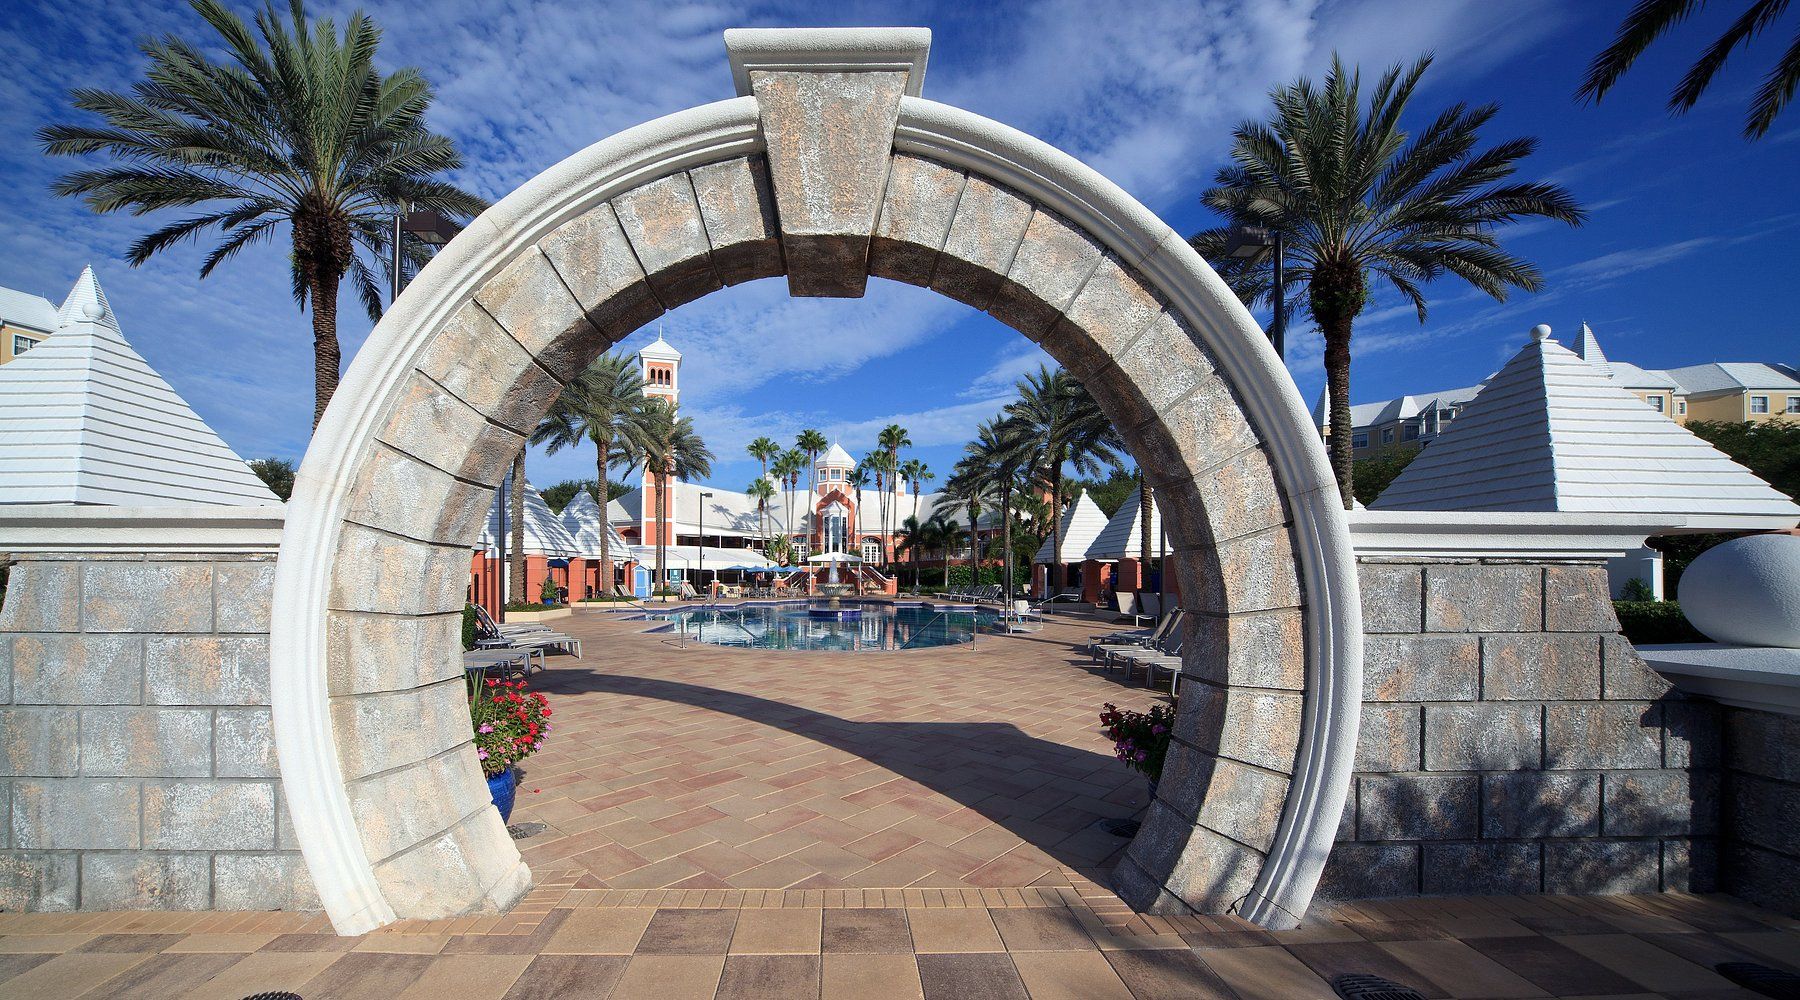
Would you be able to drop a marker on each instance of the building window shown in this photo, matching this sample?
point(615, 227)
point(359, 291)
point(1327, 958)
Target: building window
point(1359, 439)
point(1387, 435)
point(871, 552)
point(1759, 404)
point(22, 344)
point(837, 527)
point(1656, 403)
point(1793, 404)
point(1412, 432)
point(1681, 406)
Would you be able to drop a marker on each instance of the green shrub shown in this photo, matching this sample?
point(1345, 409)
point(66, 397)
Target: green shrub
point(1655, 623)
point(549, 592)
point(525, 606)
point(468, 626)
point(1636, 589)
point(959, 575)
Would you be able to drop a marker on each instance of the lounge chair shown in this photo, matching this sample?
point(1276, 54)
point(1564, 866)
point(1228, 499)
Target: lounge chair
point(1127, 604)
point(1133, 656)
point(688, 593)
point(1068, 595)
point(1134, 637)
point(1149, 607)
point(507, 662)
point(490, 634)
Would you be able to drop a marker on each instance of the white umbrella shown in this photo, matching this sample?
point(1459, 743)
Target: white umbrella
point(835, 557)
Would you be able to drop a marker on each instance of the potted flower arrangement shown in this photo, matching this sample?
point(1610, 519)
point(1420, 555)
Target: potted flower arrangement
point(510, 723)
point(1141, 740)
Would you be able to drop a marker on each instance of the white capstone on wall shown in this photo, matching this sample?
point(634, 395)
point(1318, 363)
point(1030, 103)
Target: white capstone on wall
point(1746, 591)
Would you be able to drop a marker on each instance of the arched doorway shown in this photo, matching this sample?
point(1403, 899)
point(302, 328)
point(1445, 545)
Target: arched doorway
point(828, 168)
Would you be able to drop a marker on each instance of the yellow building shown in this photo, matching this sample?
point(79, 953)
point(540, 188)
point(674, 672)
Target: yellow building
point(25, 320)
point(1740, 391)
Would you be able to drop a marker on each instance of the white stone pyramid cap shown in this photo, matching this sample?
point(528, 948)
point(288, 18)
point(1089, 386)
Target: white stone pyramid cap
point(544, 534)
point(582, 519)
point(661, 350)
point(85, 420)
point(1082, 522)
point(836, 457)
point(1121, 537)
point(1551, 432)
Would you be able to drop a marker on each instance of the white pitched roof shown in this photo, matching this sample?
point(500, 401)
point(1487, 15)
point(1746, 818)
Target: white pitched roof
point(1550, 432)
point(544, 534)
point(660, 351)
point(688, 557)
point(1386, 411)
point(85, 420)
point(1082, 522)
point(836, 457)
point(1123, 535)
point(1732, 376)
point(582, 519)
point(34, 312)
point(1587, 348)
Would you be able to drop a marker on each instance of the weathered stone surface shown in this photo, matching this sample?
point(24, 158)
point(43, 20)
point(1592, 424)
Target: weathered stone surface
point(378, 572)
point(146, 597)
point(662, 221)
point(529, 301)
point(1369, 871)
point(1238, 497)
point(1392, 597)
point(1052, 264)
point(1256, 727)
point(1594, 867)
point(916, 211)
point(242, 592)
point(1659, 803)
point(1138, 889)
point(1244, 803)
point(399, 728)
point(146, 742)
point(1196, 432)
point(1487, 869)
point(1483, 598)
point(1578, 599)
point(1388, 739)
point(160, 881)
point(600, 267)
point(738, 209)
point(474, 860)
point(40, 742)
point(1255, 573)
point(1421, 668)
point(1528, 804)
point(42, 597)
point(1164, 361)
point(829, 136)
point(1417, 807)
point(1540, 667)
point(74, 814)
point(1692, 734)
point(76, 669)
point(1483, 737)
point(244, 744)
point(474, 359)
point(1213, 873)
point(209, 816)
point(1265, 649)
point(1602, 735)
point(263, 882)
point(392, 488)
point(990, 221)
point(206, 670)
point(1625, 675)
point(1693, 866)
point(1112, 308)
point(1762, 743)
point(1762, 877)
point(371, 653)
point(1162, 838)
point(399, 809)
point(39, 881)
point(443, 431)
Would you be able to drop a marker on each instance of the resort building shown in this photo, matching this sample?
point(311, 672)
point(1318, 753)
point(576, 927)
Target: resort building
point(1739, 392)
point(25, 321)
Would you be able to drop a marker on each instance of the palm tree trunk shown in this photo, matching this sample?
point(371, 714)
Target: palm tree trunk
point(662, 524)
point(327, 356)
point(1337, 381)
point(1146, 508)
point(1055, 573)
point(974, 546)
point(1006, 555)
point(606, 570)
point(516, 586)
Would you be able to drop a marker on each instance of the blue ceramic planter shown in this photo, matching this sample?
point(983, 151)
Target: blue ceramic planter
point(503, 788)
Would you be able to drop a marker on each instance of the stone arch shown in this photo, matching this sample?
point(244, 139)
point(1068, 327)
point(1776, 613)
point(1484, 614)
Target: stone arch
point(827, 169)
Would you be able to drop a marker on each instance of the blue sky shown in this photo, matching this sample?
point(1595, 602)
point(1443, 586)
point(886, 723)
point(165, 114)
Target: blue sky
point(1687, 256)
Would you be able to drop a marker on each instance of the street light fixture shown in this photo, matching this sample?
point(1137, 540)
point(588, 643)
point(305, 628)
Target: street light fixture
point(429, 227)
point(1250, 244)
point(703, 498)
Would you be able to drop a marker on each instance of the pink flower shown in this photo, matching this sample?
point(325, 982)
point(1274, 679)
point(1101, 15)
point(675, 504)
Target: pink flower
point(485, 728)
point(481, 755)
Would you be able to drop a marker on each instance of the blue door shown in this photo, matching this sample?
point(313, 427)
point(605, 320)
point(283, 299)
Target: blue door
point(640, 583)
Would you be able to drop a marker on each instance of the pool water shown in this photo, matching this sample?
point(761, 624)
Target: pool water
point(878, 627)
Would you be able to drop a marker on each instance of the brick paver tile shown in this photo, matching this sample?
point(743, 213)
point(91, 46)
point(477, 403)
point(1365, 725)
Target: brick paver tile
point(1265, 973)
point(1550, 966)
point(468, 977)
point(1070, 975)
point(263, 972)
point(953, 931)
point(362, 975)
point(688, 932)
point(1646, 964)
point(568, 977)
point(1168, 975)
point(867, 931)
point(777, 932)
point(970, 977)
point(866, 977)
point(670, 977)
point(1330, 961)
point(1461, 969)
point(769, 977)
point(612, 931)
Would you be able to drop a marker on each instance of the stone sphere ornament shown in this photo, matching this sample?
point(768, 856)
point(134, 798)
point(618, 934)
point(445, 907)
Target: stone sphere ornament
point(1746, 591)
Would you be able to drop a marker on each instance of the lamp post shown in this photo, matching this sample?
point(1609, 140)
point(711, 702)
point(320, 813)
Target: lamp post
point(1249, 244)
point(424, 225)
point(703, 498)
point(500, 545)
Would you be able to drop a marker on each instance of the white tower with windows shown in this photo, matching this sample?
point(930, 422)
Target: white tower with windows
point(660, 366)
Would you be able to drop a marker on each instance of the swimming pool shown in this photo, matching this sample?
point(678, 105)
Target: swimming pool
point(874, 626)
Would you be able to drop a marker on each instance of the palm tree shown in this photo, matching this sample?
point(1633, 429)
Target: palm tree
point(1649, 20)
point(917, 474)
point(762, 492)
point(604, 406)
point(973, 487)
point(1355, 196)
point(1002, 449)
point(670, 448)
point(874, 466)
point(764, 450)
point(787, 467)
point(1146, 509)
point(810, 442)
point(300, 128)
point(1055, 411)
point(892, 438)
point(515, 562)
point(911, 537)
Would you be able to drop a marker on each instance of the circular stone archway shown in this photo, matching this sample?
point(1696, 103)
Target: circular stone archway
point(827, 169)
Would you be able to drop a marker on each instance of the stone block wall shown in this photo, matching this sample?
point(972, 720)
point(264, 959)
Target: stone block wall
point(1513, 742)
point(137, 764)
point(1761, 852)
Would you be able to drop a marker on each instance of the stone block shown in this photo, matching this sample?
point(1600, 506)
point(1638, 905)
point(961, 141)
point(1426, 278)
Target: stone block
point(1600, 867)
point(1164, 362)
point(1690, 865)
point(473, 867)
point(1762, 743)
point(1053, 262)
point(531, 303)
point(1257, 727)
point(1388, 739)
point(1578, 599)
point(738, 209)
point(1369, 871)
point(209, 816)
point(440, 430)
point(1393, 597)
point(1238, 497)
point(369, 653)
point(1540, 667)
point(598, 265)
point(42, 597)
point(1761, 877)
point(828, 168)
point(1161, 840)
point(1106, 316)
point(474, 359)
point(1135, 887)
point(1625, 675)
point(1417, 807)
point(1255, 573)
point(244, 744)
point(395, 729)
point(263, 882)
point(242, 593)
point(1213, 873)
point(146, 597)
point(394, 489)
point(1346, 828)
point(1197, 431)
point(1244, 803)
point(39, 881)
point(1265, 649)
point(410, 805)
point(1483, 598)
point(1692, 734)
point(76, 669)
point(990, 221)
point(1528, 804)
point(1765, 813)
point(206, 670)
point(146, 742)
point(662, 222)
point(1421, 668)
point(916, 211)
point(75, 814)
point(1485, 869)
point(1659, 803)
point(146, 881)
point(40, 742)
point(1602, 735)
point(384, 573)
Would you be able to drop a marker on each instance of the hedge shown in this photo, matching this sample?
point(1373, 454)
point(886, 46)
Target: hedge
point(1655, 623)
